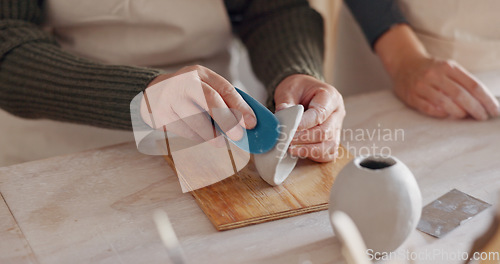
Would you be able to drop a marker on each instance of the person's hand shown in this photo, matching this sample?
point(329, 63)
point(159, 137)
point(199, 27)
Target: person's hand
point(442, 88)
point(439, 88)
point(318, 134)
point(181, 104)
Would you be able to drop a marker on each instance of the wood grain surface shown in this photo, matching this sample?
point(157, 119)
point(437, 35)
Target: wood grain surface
point(97, 206)
point(15, 247)
point(245, 199)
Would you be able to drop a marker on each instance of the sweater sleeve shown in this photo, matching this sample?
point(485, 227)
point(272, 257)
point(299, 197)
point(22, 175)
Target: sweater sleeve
point(40, 80)
point(283, 37)
point(375, 16)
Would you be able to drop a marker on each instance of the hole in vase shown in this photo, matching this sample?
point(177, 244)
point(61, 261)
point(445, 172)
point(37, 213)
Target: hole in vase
point(377, 163)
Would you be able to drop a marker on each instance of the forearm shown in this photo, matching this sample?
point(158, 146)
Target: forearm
point(283, 38)
point(285, 42)
point(375, 16)
point(399, 47)
point(40, 80)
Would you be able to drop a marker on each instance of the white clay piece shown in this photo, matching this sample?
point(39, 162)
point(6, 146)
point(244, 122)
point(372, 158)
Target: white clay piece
point(381, 196)
point(275, 165)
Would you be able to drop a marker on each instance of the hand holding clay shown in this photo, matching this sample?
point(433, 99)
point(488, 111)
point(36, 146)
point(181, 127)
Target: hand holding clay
point(318, 134)
point(442, 88)
point(181, 101)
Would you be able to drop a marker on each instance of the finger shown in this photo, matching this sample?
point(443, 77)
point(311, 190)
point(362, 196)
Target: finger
point(186, 137)
point(323, 103)
point(228, 120)
point(422, 105)
point(439, 99)
point(477, 89)
point(230, 96)
point(320, 152)
point(324, 132)
point(286, 100)
point(464, 99)
point(228, 123)
point(196, 119)
point(218, 140)
point(181, 129)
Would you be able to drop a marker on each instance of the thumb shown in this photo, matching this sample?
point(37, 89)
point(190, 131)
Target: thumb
point(284, 101)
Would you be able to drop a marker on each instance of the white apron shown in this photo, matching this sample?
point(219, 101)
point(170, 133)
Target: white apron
point(466, 31)
point(154, 33)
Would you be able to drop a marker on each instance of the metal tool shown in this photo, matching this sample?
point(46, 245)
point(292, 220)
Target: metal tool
point(448, 212)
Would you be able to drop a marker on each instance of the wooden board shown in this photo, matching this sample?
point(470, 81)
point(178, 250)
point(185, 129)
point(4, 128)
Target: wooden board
point(245, 199)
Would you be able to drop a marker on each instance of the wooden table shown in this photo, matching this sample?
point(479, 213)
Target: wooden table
point(96, 206)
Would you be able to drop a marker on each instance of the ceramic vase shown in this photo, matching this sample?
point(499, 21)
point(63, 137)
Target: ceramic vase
point(381, 196)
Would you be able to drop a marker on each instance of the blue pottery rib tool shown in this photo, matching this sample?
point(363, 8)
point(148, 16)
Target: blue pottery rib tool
point(264, 135)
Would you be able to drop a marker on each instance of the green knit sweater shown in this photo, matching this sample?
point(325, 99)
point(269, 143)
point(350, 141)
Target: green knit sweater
point(40, 80)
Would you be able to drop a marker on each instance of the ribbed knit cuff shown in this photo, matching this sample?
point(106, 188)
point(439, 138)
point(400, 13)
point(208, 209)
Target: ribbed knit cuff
point(14, 33)
point(39, 80)
point(291, 42)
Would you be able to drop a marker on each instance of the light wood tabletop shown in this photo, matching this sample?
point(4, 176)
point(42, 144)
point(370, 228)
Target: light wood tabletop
point(97, 206)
